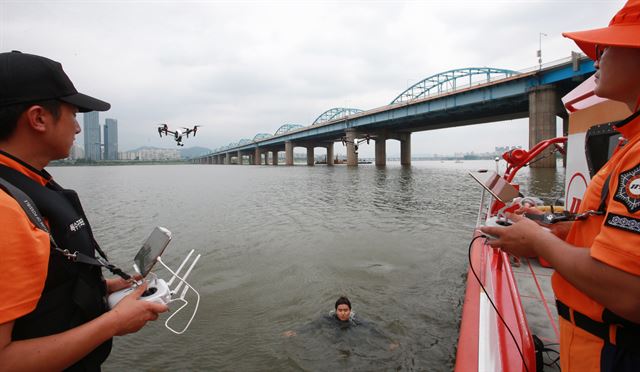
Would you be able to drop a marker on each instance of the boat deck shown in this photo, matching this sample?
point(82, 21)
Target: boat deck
point(534, 285)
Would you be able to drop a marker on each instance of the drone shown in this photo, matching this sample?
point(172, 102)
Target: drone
point(178, 133)
point(356, 142)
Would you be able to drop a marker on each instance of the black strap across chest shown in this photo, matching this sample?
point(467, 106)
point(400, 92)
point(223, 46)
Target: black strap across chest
point(35, 216)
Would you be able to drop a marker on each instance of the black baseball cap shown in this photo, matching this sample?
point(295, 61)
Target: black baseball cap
point(26, 78)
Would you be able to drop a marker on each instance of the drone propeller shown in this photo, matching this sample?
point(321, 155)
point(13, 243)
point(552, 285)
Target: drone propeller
point(189, 130)
point(195, 129)
point(163, 128)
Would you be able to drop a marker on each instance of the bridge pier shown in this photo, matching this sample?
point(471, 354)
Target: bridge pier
point(226, 159)
point(274, 157)
point(405, 148)
point(288, 153)
point(239, 158)
point(381, 150)
point(352, 155)
point(310, 157)
point(256, 157)
point(330, 154)
point(543, 103)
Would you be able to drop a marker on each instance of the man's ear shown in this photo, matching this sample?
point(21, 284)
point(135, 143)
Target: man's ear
point(38, 118)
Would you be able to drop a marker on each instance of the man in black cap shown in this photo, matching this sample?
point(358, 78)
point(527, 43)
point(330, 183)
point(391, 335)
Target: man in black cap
point(53, 313)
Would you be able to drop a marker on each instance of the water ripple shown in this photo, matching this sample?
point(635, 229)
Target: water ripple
point(280, 244)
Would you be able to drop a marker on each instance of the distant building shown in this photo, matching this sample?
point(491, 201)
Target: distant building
point(77, 152)
point(110, 139)
point(503, 149)
point(92, 136)
point(146, 154)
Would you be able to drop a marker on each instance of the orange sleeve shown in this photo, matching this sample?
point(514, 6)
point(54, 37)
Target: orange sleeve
point(618, 243)
point(23, 262)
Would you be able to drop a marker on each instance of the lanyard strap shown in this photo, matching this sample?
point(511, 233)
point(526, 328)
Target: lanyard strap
point(36, 218)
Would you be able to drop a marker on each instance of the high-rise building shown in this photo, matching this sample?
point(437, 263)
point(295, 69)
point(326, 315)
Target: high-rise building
point(92, 136)
point(110, 139)
point(76, 152)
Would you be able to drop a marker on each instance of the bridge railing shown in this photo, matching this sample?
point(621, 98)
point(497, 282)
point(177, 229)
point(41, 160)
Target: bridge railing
point(549, 64)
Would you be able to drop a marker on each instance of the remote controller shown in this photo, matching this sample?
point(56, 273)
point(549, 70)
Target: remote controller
point(157, 291)
point(502, 222)
point(496, 221)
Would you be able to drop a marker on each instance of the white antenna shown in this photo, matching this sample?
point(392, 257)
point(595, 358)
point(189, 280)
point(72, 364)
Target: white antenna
point(184, 292)
point(179, 268)
point(181, 280)
point(184, 278)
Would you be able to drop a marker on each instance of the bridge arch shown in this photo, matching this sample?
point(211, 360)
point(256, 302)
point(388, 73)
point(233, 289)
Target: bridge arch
point(451, 80)
point(287, 128)
point(335, 113)
point(261, 136)
point(244, 141)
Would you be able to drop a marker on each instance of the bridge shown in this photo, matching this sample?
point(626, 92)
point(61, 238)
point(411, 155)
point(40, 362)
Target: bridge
point(453, 98)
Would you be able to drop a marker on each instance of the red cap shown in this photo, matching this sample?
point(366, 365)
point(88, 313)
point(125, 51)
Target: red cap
point(623, 31)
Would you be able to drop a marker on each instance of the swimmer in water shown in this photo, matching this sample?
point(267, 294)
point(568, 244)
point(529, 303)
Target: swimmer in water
point(343, 309)
point(342, 318)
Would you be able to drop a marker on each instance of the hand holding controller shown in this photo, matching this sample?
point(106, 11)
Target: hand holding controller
point(501, 222)
point(157, 291)
point(496, 221)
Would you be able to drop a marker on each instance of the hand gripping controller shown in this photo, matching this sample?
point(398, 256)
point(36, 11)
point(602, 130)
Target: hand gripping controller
point(166, 292)
point(496, 221)
point(157, 291)
point(502, 222)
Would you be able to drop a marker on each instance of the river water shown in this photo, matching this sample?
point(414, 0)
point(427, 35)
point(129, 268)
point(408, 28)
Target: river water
point(280, 244)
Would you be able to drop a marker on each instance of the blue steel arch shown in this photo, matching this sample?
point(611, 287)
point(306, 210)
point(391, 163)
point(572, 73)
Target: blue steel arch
point(261, 136)
point(244, 141)
point(335, 113)
point(447, 81)
point(287, 128)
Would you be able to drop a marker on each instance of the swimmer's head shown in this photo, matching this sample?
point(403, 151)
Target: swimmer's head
point(343, 309)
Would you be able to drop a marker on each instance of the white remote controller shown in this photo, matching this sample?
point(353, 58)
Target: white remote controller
point(157, 291)
point(496, 221)
point(502, 222)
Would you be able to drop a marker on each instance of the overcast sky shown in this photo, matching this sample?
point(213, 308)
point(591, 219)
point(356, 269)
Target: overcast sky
point(242, 68)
